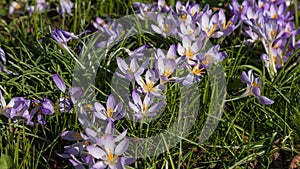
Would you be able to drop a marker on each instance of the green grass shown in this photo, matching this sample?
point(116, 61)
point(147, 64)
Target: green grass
point(248, 135)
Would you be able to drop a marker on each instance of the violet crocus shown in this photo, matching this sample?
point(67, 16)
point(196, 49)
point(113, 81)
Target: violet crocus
point(41, 5)
point(165, 68)
point(63, 37)
point(226, 27)
point(109, 155)
point(73, 94)
point(133, 70)
point(17, 107)
point(149, 84)
point(210, 25)
point(253, 87)
point(189, 49)
point(40, 109)
point(15, 5)
point(112, 111)
point(144, 108)
point(65, 6)
point(166, 26)
point(212, 56)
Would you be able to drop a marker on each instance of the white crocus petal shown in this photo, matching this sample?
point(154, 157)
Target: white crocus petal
point(122, 147)
point(95, 151)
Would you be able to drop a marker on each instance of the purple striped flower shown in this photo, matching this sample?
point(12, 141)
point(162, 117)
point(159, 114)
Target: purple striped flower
point(112, 111)
point(144, 108)
point(253, 87)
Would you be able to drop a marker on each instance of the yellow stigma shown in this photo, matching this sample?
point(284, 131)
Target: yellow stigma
point(144, 107)
point(167, 72)
point(189, 53)
point(275, 16)
point(273, 33)
point(18, 6)
point(183, 17)
point(229, 23)
point(110, 112)
point(208, 59)
point(197, 71)
point(254, 84)
point(149, 87)
point(211, 31)
point(166, 28)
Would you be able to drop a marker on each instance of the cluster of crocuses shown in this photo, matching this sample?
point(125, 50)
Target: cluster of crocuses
point(64, 6)
point(267, 21)
point(271, 23)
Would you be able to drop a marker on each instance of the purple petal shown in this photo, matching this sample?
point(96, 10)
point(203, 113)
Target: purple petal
point(70, 136)
point(95, 151)
point(255, 91)
point(245, 78)
point(264, 100)
point(59, 82)
point(122, 147)
point(110, 102)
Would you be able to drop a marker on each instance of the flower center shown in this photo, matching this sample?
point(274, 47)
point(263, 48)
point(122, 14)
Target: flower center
point(112, 158)
point(167, 72)
point(189, 53)
point(110, 112)
point(149, 87)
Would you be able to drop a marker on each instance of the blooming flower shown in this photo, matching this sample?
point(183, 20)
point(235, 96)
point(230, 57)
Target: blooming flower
point(113, 112)
point(17, 106)
point(213, 55)
point(109, 155)
point(15, 5)
point(40, 108)
point(41, 5)
point(253, 87)
point(165, 27)
point(63, 37)
point(209, 25)
point(65, 6)
point(131, 71)
point(189, 49)
point(75, 93)
point(165, 68)
point(148, 85)
point(145, 108)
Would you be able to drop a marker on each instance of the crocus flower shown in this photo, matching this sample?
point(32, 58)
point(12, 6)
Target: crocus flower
point(113, 111)
point(144, 108)
point(65, 6)
point(226, 27)
point(15, 5)
point(40, 109)
point(209, 25)
point(165, 68)
point(253, 87)
point(74, 93)
point(131, 71)
point(41, 5)
point(99, 24)
point(108, 154)
point(59, 82)
point(190, 30)
point(148, 85)
point(212, 56)
point(171, 54)
point(17, 107)
point(63, 37)
point(189, 49)
point(165, 27)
